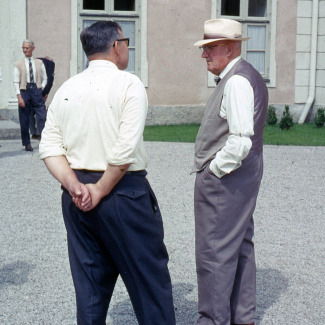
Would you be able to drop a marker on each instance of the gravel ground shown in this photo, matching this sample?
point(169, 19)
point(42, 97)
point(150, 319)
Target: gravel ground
point(35, 282)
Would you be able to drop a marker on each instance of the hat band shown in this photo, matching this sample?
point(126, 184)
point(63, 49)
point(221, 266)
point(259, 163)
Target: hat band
point(217, 36)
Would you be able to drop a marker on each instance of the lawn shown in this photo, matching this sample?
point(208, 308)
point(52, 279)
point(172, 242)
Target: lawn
point(299, 135)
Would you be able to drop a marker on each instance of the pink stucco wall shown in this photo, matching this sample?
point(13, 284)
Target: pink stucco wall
point(177, 73)
point(284, 92)
point(49, 27)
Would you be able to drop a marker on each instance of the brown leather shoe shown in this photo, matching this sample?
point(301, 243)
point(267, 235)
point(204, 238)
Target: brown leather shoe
point(29, 147)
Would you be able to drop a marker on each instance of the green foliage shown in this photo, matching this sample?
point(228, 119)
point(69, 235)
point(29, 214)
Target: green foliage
point(286, 121)
point(271, 118)
point(320, 117)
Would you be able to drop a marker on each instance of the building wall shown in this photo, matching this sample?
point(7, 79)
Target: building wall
point(320, 73)
point(178, 81)
point(50, 29)
point(13, 32)
point(177, 73)
point(304, 32)
point(285, 55)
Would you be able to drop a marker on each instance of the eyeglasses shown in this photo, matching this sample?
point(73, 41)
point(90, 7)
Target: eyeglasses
point(127, 40)
point(208, 48)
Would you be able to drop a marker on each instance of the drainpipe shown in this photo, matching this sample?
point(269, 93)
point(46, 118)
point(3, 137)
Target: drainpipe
point(312, 68)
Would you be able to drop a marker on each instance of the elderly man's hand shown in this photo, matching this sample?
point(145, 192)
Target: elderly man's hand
point(21, 102)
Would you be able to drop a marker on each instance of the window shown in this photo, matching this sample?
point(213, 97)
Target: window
point(131, 15)
point(259, 24)
point(254, 16)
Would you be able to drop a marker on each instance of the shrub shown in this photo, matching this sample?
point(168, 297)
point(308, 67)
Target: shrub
point(320, 117)
point(271, 118)
point(286, 120)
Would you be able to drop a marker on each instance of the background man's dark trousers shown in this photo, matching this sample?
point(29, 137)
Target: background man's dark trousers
point(33, 99)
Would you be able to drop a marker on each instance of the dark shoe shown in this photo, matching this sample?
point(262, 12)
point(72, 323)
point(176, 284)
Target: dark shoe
point(38, 137)
point(28, 148)
point(243, 324)
point(34, 136)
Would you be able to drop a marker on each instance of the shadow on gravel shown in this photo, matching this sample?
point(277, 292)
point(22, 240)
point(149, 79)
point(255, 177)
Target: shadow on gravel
point(14, 274)
point(185, 310)
point(271, 284)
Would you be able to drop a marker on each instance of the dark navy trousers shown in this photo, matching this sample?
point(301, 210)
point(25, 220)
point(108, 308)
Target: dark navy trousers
point(122, 236)
point(33, 101)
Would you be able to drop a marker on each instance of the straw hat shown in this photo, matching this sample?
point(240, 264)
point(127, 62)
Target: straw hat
point(220, 30)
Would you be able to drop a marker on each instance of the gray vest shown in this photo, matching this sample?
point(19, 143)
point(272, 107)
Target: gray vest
point(214, 130)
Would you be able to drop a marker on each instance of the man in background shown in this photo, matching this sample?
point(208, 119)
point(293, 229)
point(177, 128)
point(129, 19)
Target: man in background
point(229, 167)
point(29, 81)
point(49, 67)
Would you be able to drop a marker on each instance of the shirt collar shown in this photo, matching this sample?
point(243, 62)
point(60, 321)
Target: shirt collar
point(31, 58)
point(102, 63)
point(229, 66)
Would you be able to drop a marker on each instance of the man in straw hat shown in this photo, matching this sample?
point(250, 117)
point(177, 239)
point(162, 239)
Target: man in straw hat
point(229, 166)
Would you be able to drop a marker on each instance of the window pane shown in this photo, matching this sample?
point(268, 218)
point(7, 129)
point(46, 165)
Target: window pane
point(257, 60)
point(131, 65)
point(230, 7)
point(258, 37)
point(124, 5)
point(128, 30)
point(257, 8)
point(87, 23)
point(94, 4)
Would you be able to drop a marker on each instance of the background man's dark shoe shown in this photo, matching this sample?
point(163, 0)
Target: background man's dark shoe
point(28, 148)
point(34, 136)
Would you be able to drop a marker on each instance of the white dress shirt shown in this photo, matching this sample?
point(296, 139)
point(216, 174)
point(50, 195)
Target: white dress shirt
point(237, 107)
point(97, 118)
point(17, 75)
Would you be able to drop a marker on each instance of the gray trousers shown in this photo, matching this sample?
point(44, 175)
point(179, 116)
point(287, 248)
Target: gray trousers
point(224, 228)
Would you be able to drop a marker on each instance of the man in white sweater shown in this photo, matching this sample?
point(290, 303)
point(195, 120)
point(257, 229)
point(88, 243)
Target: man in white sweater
point(92, 143)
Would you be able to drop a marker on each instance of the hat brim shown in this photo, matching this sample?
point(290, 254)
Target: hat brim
point(208, 41)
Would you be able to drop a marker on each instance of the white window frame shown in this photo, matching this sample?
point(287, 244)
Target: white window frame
point(269, 22)
point(139, 16)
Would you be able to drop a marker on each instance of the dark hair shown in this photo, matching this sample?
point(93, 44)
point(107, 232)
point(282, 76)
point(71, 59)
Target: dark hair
point(99, 37)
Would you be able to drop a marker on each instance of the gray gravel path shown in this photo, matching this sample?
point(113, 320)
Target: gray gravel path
point(35, 282)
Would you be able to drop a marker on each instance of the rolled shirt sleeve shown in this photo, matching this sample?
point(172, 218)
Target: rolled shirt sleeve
point(237, 108)
point(132, 123)
point(51, 144)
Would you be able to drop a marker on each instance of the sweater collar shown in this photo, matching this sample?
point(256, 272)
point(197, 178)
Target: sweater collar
point(102, 63)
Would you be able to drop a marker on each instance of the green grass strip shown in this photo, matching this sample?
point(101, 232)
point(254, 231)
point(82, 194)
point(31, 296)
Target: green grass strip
point(299, 135)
